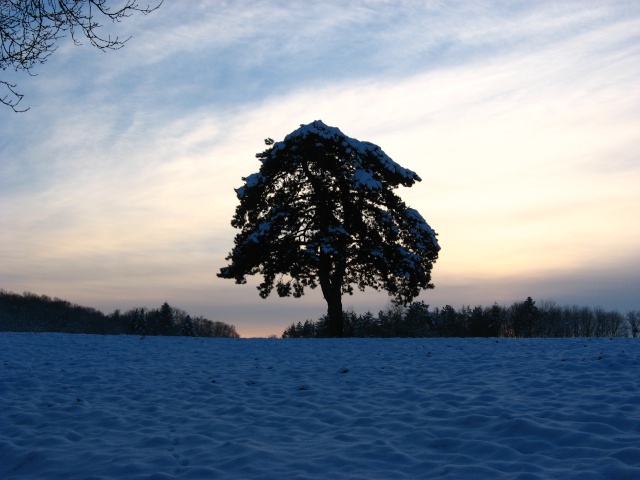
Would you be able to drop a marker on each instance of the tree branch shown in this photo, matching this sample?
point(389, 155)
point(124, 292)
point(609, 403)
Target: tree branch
point(29, 30)
point(12, 102)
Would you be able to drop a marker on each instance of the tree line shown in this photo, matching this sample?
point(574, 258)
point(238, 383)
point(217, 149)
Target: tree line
point(39, 313)
point(520, 320)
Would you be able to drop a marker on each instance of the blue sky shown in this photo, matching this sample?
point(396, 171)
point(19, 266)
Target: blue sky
point(522, 118)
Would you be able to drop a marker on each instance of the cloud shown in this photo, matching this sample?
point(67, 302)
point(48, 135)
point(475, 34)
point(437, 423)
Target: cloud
point(523, 123)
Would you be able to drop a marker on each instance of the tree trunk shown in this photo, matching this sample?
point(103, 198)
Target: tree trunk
point(330, 275)
point(332, 293)
point(334, 303)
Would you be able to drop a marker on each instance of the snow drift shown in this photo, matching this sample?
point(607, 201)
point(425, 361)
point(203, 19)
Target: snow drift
point(84, 406)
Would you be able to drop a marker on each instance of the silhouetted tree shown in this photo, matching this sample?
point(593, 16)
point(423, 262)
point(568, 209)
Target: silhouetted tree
point(633, 319)
point(524, 317)
point(495, 318)
point(447, 322)
point(549, 320)
point(478, 325)
point(139, 321)
point(165, 321)
point(322, 211)
point(390, 321)
point(367, 325)
point(290, 332)
point(30, 29)
point(39, 313)
point(187, 329)
point(417, 320)
point(208, 328)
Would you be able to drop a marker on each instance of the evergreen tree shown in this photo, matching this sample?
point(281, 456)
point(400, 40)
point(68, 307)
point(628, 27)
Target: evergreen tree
point(322, 211)
point(416, 320)
point(139, 322)
point(448, 322)
point(478, 326)
point(524, 317)
point(495, 316)
point(187, 329)
point(633, 319)
point(165, 321)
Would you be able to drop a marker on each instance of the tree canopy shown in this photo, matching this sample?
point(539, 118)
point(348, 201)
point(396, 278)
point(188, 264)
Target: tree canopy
point(29, 30)
point(322, 211)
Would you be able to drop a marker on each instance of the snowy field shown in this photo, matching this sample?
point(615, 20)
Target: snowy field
point(82, 406)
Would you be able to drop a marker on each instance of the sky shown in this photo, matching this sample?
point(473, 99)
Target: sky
point(522, 119)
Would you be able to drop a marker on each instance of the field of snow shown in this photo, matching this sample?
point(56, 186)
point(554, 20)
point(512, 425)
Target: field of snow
point(107, 407)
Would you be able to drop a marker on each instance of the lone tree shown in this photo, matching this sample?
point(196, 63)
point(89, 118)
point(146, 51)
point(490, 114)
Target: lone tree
point(322, 211)
point(29, 30)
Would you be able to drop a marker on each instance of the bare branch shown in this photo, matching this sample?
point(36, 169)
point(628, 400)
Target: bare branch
point(13, 98)
point(29, 30)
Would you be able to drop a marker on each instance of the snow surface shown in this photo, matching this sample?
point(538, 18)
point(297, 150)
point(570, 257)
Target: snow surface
point(82, 406)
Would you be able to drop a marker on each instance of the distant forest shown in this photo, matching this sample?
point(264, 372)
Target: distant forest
point(29, 312)
point(522, 319)
point(39, 313)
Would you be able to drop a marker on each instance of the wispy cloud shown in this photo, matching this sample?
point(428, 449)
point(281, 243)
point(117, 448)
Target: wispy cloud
point(522, 120)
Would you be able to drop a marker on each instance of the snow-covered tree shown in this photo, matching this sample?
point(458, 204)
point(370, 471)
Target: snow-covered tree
point(322, 211)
